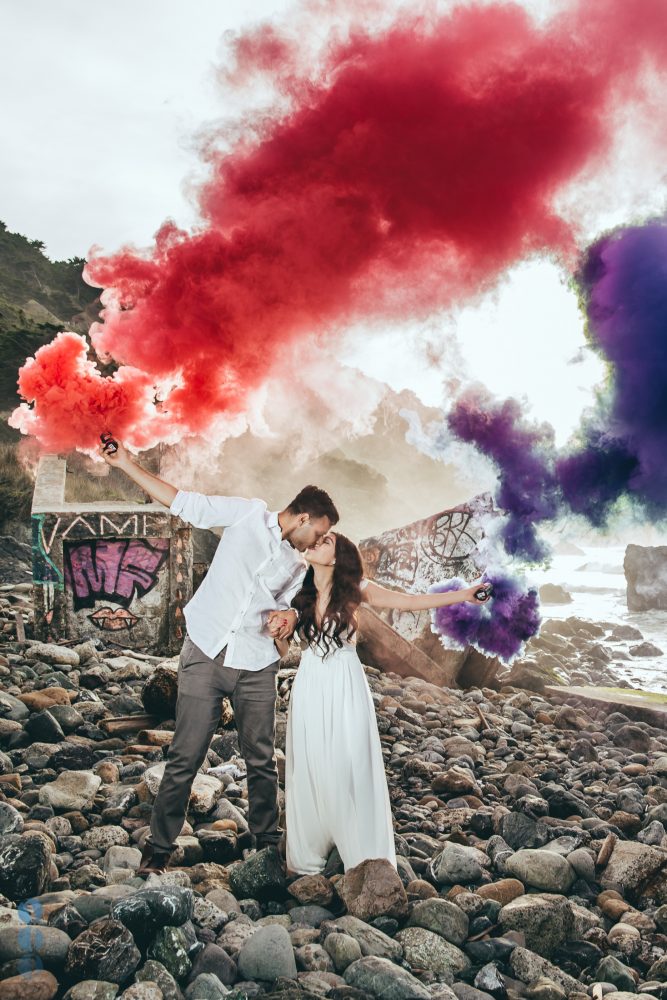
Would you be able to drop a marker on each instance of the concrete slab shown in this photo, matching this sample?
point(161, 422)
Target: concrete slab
point(641, 706)
point(381, 646)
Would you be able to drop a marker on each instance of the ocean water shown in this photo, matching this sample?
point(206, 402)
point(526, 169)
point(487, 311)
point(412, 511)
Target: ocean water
point(597, 584)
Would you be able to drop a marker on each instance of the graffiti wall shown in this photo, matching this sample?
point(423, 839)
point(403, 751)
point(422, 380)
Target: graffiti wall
point(116, 583)
point(425, 552)
point(123, 573)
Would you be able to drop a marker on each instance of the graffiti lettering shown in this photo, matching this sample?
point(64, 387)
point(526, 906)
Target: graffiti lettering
point(44, 570)
point(419, 554)
point(113, 569)
point(78, 521)
point(48, 543)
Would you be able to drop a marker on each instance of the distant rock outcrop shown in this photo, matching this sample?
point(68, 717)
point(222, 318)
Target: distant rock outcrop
point(553, 593)
point(646, 576)
point(565, 548)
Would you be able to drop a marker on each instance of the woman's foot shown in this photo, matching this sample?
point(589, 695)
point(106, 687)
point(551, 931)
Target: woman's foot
point(153, 862)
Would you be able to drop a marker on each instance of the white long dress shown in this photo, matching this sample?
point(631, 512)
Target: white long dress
point(335, 785)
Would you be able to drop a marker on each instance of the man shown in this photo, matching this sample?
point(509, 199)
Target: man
point(229, 648)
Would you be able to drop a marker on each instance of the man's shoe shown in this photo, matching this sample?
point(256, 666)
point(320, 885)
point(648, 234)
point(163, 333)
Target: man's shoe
point(153, 862)
point(271, 840)
point(282, 848)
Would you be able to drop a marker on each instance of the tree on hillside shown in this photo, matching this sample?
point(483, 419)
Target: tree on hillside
point(28, 276)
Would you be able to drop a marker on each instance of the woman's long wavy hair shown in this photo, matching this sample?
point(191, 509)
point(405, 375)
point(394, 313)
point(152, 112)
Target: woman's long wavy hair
point(340, 616)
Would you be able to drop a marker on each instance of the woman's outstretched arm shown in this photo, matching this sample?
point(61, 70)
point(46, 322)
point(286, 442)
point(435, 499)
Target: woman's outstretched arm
point(381, 597)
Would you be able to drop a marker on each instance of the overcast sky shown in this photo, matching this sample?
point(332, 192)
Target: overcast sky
point(101, 104)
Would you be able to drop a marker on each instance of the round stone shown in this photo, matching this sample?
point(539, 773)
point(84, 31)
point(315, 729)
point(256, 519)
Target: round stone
point(343, 950)
point(542, 869)
point(267, 955)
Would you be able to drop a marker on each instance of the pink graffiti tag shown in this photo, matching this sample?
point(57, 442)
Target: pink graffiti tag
point(113, 569)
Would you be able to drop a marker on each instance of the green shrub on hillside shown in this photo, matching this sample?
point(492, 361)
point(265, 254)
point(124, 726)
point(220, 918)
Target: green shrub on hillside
point(16, 487)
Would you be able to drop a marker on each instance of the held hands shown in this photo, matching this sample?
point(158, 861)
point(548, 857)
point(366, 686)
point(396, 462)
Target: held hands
point(281, 624)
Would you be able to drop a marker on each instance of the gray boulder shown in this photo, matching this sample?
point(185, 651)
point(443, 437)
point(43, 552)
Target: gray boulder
point(378, 977)
point(542, 869)
point(545, 919)
point(427, 950)
point(373, 942)
point(459, 864)
point(645, 569)
point(442, 918)
point(528, 967)
point(267, 955)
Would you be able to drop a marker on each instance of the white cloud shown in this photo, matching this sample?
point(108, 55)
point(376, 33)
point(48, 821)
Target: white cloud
point(100, 103)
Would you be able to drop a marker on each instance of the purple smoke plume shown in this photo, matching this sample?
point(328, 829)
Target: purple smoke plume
point(500, 627)
point(622, 450)
point(528, 489)
point(623, 281)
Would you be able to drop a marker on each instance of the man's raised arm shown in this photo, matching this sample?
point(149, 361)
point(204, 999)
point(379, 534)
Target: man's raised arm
point(155, 487)
point(200, 509)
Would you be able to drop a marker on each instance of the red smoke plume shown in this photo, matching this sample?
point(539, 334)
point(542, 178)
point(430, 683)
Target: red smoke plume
point(410, 170)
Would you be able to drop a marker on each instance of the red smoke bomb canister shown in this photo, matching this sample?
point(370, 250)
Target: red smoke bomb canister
point(110, 445)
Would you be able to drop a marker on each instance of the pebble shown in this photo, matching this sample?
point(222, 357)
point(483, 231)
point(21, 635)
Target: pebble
point(312, 889)
point(458, 863)
point(51, 653)
point(25, 866)
point(206, 986)
point(48, 944)
point(106, 950)
point(92, 989)
point(70, 790)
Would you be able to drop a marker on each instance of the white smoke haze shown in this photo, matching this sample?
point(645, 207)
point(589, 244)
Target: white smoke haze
point(333, 426)
point(632, 186)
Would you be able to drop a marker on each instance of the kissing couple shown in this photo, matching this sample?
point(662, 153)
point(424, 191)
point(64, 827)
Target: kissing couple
point(275, 574)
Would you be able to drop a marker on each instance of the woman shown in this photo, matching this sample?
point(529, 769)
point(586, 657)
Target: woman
point(335, 784)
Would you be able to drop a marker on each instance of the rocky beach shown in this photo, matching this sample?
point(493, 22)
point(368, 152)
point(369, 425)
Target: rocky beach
point(530, 832)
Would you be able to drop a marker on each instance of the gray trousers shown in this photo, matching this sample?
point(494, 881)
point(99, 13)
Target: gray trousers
point(202, 683)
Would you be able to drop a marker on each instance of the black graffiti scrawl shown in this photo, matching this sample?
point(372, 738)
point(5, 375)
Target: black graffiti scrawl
point(112, 569)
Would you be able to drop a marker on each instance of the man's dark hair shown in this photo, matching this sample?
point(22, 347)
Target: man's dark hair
point(314, 501)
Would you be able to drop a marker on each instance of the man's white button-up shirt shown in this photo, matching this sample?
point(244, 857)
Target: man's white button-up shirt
point(253, 571)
